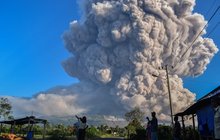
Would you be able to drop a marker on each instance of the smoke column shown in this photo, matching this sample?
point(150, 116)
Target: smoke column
point(119, 47)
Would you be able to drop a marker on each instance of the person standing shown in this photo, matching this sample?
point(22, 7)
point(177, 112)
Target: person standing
point(76, 128)
point(82, 127)
point(154, 126)
point(216, 105)
point(176, 129)
point(148, 130)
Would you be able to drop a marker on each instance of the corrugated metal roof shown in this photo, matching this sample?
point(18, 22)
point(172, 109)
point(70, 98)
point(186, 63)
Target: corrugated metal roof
point(202, 102)
point(26, 120)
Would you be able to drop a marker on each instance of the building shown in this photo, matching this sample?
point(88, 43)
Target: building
point(30, 121)
point(204, 112)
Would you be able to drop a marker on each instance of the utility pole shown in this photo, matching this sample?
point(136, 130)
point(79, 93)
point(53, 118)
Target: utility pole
point(170, 99)
point(169, 92)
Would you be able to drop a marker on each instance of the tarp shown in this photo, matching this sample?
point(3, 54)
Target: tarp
point(26, 120)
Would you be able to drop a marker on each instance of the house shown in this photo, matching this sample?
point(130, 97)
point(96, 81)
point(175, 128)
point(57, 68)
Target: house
point(204, 112)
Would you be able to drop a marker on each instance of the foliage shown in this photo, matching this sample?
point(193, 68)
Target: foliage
point(93, 133)
point(59, 133)
point(164, 132)
point(37, 129)
point(117, 131)
point(104, 129)
point(136, 113)
point(139, 135)
point(5, 129)
point(134, 128)
point(134, 117)
point(5, 108)
point(190, 133)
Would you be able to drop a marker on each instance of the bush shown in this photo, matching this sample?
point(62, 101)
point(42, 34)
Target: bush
point(140, 135)
point(164, 132)
point(92, 132)
point(190, 134)
point(59, 133)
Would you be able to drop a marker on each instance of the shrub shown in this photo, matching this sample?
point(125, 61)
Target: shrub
point(92, 132)
point(59, 133)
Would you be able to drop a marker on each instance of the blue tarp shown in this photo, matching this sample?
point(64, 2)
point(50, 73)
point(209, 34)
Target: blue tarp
point(206, 120)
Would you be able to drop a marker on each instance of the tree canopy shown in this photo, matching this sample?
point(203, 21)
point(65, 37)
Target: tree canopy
point(135, 114)
point(5, 108)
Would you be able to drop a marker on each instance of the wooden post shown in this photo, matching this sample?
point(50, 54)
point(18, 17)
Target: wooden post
point(1, 129)
point(194, 126)
point(170, 99)
point(29, 122)
point(184, 129)
point(20, 131)
point(193, 119)
point(13, 128)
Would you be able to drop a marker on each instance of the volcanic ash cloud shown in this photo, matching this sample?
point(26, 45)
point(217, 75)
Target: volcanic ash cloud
point(119, 46)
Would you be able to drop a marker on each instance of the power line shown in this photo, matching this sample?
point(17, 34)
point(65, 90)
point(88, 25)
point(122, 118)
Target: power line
point(170, 99)
point(169, 90)
point(213, 4)
point(200, 33)
point(213, 29)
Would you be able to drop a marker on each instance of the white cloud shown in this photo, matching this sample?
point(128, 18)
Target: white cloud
point(118, 50)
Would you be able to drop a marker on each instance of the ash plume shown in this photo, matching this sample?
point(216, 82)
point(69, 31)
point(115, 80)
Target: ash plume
point(120, 46)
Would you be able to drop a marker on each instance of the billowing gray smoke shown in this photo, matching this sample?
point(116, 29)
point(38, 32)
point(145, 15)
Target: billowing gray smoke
point(120, 46)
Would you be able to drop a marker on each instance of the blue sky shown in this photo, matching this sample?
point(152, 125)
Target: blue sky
point(211, 78)
point(31, 46)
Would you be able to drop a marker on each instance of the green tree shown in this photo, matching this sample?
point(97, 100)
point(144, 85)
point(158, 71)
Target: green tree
point(93, 133)
point(59, 132)
point(135, 114)
point(134, 117)
point(5, 108)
